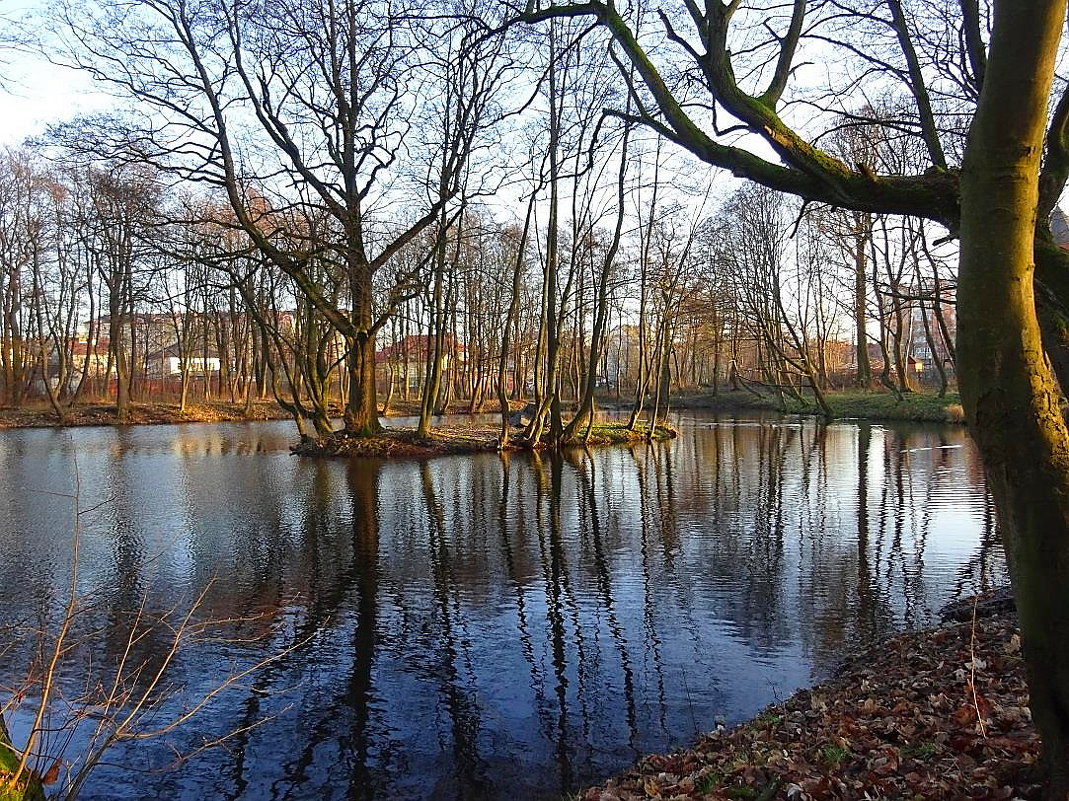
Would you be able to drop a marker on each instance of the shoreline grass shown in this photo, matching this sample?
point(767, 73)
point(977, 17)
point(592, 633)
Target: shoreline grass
point(845, 405)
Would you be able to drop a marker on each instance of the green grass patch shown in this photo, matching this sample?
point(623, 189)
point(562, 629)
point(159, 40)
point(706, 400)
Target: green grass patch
point(919, 406)
point(709, 782)
point(871, 405)
point(833, 754)
point(742, 792)
point(620, 434)
point(922, 750)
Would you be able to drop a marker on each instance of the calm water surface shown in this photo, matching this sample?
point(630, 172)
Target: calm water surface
point(476, 626)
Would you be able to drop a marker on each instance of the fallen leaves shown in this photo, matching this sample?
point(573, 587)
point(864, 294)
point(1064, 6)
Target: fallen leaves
point(405, 443)
point(97, 414)
point(940, 714)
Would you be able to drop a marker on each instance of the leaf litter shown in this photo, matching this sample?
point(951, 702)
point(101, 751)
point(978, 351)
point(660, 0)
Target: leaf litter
point(935, 714)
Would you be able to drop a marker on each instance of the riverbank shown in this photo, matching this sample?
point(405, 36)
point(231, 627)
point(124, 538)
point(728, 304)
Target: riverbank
point(935, 714)
point(99, 414)
point(845, 405)
point(41, 415)
point(873, 405)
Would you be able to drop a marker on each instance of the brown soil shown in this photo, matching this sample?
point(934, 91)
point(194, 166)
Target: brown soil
point(404, 442)
point(141, 414)
point(41, 415)
point(939, 714)
point(410, 408)
point(452, 439)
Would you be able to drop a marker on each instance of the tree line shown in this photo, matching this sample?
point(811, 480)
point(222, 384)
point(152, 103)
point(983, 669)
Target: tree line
point(118, 286)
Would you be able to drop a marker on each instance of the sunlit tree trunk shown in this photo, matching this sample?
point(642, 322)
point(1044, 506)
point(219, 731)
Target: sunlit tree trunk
point(1008, 391)
point(584, 414)
point(362, 409)
point(435, 339)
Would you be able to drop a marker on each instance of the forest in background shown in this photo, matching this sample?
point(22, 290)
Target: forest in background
point(481, 231)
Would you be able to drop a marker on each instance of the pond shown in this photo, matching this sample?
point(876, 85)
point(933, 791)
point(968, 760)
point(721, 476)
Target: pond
point(471, 626)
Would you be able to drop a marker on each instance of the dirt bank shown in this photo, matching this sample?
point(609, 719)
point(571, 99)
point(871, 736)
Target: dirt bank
point(936, 714)
point(141, 414)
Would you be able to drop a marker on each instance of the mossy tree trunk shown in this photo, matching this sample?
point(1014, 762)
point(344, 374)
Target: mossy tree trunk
point(1009, 393)
point(361, 408)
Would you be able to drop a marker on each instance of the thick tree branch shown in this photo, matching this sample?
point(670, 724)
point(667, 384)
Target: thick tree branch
point(917, 85)
point(807, 171)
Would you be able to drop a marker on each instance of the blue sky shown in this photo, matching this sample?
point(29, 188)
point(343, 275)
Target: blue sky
point(37, 93)
point(33, 91)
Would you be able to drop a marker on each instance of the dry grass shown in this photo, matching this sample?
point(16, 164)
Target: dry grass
point(97, 414)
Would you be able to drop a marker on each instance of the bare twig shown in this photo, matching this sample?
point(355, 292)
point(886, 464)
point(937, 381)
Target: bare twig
point(972, 668)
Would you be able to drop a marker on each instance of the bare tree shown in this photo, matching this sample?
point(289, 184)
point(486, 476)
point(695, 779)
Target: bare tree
point(310, 103)
point(21, 231)
point(756, 234)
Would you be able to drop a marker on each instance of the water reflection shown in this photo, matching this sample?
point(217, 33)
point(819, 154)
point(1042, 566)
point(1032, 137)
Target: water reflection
point(481, 627)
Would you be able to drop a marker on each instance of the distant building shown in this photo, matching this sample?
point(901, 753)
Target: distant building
point(90, 358)
point(1059, 227)
point(167, 363)
point(622, 357)
point(926, 306)
point(408, 357)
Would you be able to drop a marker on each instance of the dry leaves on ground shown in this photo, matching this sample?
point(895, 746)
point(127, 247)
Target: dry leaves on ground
point(927, 715)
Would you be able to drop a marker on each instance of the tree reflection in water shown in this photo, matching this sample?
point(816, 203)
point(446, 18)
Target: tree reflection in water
point(496, 626)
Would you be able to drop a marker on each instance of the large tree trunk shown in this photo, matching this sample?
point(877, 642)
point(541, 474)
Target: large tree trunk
point(1052, 292)
point(362, 409)
point(122, 370)
point(1009, 393)
point(435, 340)
point(362, 412)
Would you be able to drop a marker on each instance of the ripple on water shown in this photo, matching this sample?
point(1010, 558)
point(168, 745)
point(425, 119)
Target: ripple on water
point(479, 626)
